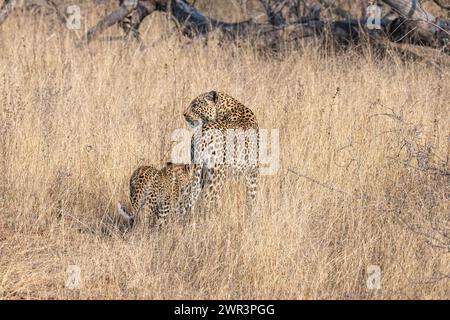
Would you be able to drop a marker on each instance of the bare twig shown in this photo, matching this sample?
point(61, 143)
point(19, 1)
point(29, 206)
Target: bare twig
point(318, 182)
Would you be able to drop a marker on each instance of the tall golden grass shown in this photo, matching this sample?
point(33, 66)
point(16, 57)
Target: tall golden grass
point(75, 122)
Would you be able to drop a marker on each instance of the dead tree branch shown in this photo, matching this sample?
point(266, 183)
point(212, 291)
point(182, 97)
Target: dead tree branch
point(442, 5)
point(273, 11)
point(418, 24)
point(114, 17)
point(6, 8)
point(415, 24)
point(330, 4)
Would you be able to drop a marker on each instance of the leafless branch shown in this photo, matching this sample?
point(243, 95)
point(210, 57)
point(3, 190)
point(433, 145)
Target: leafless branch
point(442, 5)
point(111, 19)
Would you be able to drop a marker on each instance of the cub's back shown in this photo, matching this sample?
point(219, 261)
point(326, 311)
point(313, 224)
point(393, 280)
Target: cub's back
point(139, 181)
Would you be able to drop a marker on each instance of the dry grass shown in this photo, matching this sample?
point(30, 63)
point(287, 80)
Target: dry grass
point(76, 122)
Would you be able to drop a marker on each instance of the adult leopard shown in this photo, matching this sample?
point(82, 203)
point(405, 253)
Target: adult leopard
point(225, 144)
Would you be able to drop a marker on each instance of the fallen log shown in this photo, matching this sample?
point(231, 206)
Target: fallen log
point(414, 23)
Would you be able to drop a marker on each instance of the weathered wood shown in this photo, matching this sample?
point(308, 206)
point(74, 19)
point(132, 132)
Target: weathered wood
point(441, 4)
point(6, 8)
point(193, 22)
point(417, 23)
point(114, 17)
point(190, 20)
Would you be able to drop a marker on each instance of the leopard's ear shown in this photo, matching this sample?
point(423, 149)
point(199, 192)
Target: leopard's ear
point(212, 96)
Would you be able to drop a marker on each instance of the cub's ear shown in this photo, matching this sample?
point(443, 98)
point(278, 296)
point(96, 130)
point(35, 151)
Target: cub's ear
point(212, 96)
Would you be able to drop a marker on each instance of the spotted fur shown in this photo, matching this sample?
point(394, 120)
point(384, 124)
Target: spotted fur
point(214, 115)
point(154, 192)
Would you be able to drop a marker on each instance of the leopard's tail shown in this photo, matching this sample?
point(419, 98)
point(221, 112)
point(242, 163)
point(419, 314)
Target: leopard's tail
point(125, 214)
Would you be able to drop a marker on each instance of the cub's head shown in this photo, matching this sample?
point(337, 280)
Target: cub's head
point(202, 109)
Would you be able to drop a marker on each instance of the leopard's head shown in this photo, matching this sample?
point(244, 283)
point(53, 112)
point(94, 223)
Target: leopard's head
point(202, 109)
